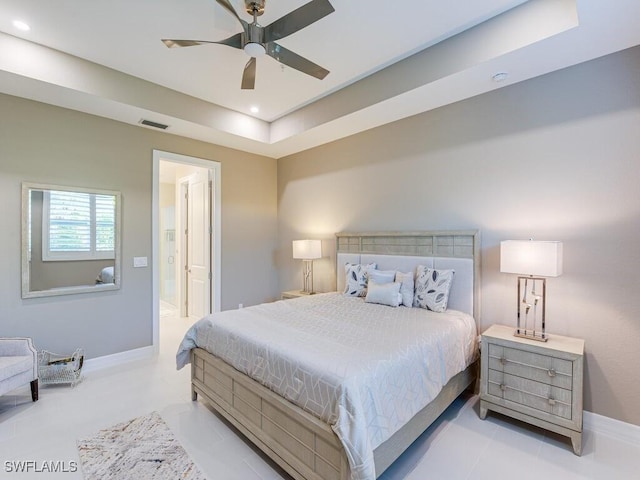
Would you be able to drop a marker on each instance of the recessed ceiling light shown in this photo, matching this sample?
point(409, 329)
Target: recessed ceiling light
point(20, 25)
point(500, 77)
point(254, 109)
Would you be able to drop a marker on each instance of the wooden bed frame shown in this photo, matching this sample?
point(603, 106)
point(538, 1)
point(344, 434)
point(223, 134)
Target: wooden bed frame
point(304, 446)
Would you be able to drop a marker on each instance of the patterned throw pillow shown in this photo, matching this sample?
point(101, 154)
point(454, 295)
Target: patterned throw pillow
point(357, 276)
point(432, 288)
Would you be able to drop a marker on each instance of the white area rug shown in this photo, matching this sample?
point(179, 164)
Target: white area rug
point(142, 448)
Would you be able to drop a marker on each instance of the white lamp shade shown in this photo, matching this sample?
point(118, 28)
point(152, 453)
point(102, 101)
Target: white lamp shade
point(307, 249)
point(529, 257)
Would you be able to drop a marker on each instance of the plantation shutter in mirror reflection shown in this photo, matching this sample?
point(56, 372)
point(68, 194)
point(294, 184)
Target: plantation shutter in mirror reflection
point(78, 226)
point(105, 222)
point(69, 222)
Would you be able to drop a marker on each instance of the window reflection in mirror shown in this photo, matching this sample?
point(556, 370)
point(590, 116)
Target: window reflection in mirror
point(70, 240)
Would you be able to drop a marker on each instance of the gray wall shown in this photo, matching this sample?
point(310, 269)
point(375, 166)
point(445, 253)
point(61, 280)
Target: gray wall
point(45, 144)
point(554, 158)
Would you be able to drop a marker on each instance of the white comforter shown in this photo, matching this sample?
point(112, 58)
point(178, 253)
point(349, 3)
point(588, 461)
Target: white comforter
point(365, 369)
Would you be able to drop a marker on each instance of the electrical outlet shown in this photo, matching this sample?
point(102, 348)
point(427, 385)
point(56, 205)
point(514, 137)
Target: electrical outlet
point(240, 306)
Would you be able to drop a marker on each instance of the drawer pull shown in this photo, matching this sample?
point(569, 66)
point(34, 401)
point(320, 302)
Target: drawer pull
point(552, 401)
point(551, 372)
point(503, 360)
point(503, 387)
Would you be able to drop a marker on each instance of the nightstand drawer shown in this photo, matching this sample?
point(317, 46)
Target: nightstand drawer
point(540, 396)
point(529, 365)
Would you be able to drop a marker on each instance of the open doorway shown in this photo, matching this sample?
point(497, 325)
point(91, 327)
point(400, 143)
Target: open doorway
point(186, 238)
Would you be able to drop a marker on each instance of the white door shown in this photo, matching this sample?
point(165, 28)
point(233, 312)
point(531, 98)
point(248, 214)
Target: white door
point(198, 245)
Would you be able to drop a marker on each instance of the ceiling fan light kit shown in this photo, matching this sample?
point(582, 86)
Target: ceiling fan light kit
point(254, 49)
point(257, 40)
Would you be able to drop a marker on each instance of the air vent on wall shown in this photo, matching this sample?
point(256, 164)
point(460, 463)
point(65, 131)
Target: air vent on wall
point(149, 123)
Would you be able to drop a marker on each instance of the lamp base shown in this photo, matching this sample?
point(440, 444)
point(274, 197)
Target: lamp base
point(307, 277)
point(304, 292)
point(531, 303)
point(531, 335)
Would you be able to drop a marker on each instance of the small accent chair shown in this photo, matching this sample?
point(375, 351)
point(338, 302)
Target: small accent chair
point(18, 365)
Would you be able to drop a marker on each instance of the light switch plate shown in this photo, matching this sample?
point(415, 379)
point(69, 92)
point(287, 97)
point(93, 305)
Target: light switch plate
point(139, 262)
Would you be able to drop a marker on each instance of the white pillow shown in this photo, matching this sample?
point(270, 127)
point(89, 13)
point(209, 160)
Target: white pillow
point(432, 288)
point(382, 276)
point(356, 278)
point(384, 294)
point(406, 287)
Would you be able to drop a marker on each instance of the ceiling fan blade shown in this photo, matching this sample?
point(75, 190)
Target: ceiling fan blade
point(171, 43)
point(294, 60)
point(229, 8)
point(297, 20)
point(249, 75)
point(233, 41)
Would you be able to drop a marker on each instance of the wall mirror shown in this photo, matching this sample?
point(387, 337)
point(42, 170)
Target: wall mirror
point(70, 240)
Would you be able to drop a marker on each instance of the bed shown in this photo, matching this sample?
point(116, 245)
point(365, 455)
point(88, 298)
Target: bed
point(105, 275)
point(351, 413)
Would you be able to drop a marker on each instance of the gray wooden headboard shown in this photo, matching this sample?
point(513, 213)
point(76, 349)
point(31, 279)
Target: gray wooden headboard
point(457, 249)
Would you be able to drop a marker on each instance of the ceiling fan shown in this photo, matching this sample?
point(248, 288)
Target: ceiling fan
point(257, 40)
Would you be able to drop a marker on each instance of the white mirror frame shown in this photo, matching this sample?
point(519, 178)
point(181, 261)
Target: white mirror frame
point(26, 270)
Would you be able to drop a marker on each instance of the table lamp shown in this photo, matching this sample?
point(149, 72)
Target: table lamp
point(307, 251)
point(533, 261)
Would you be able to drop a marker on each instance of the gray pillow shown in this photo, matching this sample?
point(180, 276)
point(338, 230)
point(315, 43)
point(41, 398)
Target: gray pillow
point(384, 294)
point(406, 287)
point(382, 276)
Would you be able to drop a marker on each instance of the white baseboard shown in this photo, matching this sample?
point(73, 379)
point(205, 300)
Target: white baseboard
point(116, 359)
point(599, 424)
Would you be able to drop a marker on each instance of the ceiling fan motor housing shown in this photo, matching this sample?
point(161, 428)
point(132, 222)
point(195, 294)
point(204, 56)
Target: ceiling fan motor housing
point(254, 34)
point(253, 41)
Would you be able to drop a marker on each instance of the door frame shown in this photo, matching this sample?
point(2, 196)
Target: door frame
point(215, 169)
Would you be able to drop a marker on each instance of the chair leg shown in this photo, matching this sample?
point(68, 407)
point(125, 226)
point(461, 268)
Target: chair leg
point(34, 390)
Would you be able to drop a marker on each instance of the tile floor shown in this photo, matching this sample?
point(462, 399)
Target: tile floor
point(458, 446)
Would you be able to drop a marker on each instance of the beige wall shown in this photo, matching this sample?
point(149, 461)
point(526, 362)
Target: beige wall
point(46, 144)
point(556, 158)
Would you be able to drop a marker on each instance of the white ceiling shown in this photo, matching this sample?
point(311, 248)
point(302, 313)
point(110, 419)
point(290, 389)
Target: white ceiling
point(388, 60)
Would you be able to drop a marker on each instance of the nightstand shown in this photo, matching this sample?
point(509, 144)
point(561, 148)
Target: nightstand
point(294, 294)
point(538, 383)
